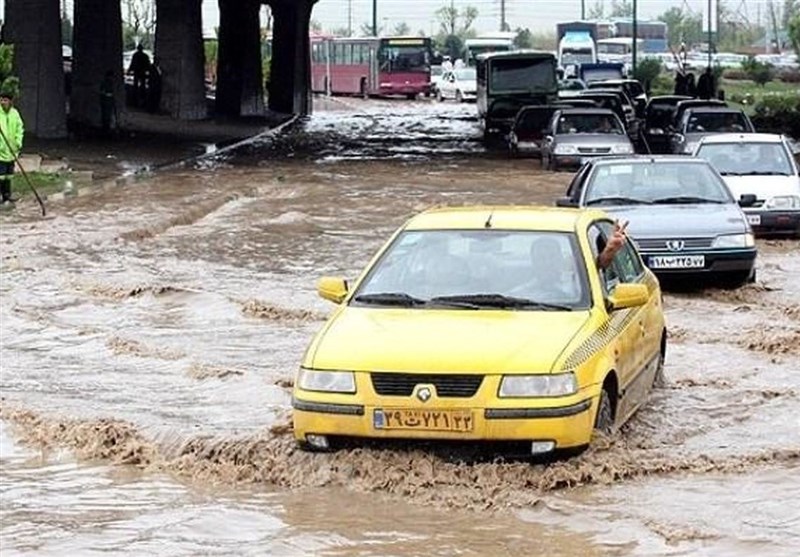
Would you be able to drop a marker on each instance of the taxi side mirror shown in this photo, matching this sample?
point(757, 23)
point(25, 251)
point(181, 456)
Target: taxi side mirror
point(628, 295)
point(333, 289)
point(566, 202)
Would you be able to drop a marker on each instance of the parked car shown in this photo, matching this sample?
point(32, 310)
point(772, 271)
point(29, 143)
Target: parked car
point(485, 324)
point(760, 170)
point(697, 123)
point(658, 118)
point(576, 135)
point(436, 78)
point(459, 84)
point(682, 216)
point(529, 129)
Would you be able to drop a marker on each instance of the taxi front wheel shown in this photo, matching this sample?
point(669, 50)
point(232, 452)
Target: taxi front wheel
point(604, 421)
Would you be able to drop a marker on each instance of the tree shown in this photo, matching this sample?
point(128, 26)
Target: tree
point(366, 30)
point(682, 27)
point(598, 11)
point(315, 26)
point(401, 29)
point(759, 72)
point(794, 33)
point(449, 17)
point(524, 38)
point(791, 8)
point(138, 22)
point(621, 8)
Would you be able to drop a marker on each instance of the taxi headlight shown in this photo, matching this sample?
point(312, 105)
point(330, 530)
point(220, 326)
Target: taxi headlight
point(783, 202)
point(621, 149)
point(566, 150)
point(327, 381)
point(561, 384)
point(734, 241)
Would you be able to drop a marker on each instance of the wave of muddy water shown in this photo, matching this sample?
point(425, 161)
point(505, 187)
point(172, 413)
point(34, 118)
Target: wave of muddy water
point(149, 335)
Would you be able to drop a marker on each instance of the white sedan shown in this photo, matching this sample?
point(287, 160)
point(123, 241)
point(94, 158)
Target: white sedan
point(761, 172)
point(459, 84)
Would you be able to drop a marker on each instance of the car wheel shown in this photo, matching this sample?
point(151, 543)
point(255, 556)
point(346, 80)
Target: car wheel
point(604, 422)
point(439, 96)
point(459, 97)
point(658, 379)
point(363, 89)
point(545, 163)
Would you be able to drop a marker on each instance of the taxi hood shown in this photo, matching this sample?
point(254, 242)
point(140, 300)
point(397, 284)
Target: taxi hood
point(444, 340)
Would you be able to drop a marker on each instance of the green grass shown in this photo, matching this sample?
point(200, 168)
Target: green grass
point(746, 89)
point(45, 183)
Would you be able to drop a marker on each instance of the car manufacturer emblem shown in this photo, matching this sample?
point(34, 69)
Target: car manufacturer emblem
point(675, 245)
point(424, 394)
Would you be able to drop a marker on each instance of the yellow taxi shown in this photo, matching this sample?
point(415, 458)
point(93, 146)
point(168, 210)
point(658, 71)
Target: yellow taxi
point(485, 324)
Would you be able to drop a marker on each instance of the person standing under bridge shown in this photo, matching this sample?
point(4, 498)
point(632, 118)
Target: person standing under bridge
point(10, 142)
point(139, 67)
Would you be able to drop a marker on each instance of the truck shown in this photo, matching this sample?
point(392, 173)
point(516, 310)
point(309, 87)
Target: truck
point(577, 44)
point(486, 43)
point(507, 81)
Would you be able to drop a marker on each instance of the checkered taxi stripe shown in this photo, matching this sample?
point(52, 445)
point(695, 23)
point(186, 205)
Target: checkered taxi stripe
point(600, 338)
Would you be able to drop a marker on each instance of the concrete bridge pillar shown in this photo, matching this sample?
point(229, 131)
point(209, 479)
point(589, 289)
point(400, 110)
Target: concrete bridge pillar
point(34, 28)
point(97, 48)
point(239, 78)
point(179, 49)
point(290, 73)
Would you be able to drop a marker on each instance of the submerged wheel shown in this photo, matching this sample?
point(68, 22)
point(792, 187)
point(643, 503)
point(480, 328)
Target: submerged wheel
point(439, 96)
point(363, 89)
point(604, 421)
point(459, 97)
point(658, 378)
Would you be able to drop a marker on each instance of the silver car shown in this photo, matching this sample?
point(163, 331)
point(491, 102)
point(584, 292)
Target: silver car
point(697, 123)
point(577, 135)
point(682, 216)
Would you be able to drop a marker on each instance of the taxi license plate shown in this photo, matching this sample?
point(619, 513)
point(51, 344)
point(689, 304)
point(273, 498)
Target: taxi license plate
point(423, 420)
point(754, 220)
point(677, 262)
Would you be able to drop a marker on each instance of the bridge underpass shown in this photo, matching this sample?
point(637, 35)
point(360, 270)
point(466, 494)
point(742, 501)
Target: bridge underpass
point(34, 28)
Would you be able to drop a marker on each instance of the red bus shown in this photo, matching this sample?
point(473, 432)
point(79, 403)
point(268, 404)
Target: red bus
point(371, 65)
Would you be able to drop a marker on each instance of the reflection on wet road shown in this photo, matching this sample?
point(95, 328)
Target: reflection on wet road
point(150, 334)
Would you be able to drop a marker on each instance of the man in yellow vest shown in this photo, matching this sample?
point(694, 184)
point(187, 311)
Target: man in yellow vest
point(10, 142)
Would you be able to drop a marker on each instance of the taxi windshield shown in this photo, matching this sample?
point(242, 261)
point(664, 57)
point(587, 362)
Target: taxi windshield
point(474, 269)
point(743, 158)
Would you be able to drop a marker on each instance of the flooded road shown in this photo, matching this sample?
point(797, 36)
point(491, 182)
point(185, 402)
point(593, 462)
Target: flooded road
point(150, 333)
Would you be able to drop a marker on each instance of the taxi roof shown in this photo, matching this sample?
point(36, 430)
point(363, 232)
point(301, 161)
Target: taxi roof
point(539, 218)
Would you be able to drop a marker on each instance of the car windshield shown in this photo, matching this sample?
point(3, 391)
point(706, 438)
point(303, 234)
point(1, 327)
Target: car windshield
point(476, 269)
point(466, 74)
point(664, 182)
point(717, 122)
point(747, 158)
point(589, 123)
point(523, 75)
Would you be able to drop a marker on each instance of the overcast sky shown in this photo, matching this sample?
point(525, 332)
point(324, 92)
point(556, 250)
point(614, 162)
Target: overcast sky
point(537, 15)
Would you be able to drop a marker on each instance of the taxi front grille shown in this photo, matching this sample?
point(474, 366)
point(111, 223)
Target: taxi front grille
point(594, 150)
point(447, 385)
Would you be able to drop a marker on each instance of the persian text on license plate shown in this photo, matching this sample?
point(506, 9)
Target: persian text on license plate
point(677, 261)
point(423, 420)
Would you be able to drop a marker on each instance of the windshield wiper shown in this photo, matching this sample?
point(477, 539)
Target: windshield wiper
point(679, 199)
point(618, 200)
point(390, 299)
point(764, 173)
point(499, 301)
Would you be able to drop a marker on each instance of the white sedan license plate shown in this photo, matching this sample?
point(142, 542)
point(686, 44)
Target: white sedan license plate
point(677, 261)
point(754, 220)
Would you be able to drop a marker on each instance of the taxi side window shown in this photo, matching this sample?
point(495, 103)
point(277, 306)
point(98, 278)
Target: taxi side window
point(609, 277)
point(628, 266)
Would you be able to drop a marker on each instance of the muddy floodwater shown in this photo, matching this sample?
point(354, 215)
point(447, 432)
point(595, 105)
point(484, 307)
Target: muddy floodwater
point(150, 333)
